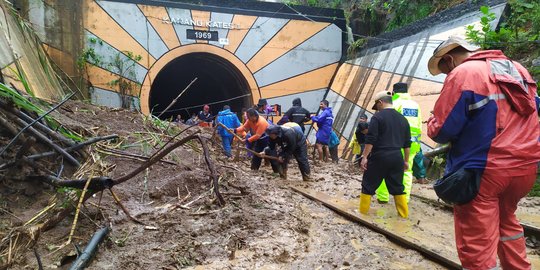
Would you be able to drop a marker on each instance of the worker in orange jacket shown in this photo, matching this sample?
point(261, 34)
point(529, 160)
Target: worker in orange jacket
point(257, 126)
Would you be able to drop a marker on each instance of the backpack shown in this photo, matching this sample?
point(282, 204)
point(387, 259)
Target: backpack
point(334, 140)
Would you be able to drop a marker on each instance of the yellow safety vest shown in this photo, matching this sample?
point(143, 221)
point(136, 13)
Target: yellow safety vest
point(410, 109)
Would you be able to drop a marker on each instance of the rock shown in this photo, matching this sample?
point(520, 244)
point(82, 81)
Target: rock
point(536, 62)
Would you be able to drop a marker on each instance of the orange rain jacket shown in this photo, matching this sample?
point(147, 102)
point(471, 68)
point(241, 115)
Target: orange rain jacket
point(257, 130)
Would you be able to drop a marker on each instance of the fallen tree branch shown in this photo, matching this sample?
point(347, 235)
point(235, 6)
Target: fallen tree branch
point(97, 184)
point(13, 130)
point(47, 141)
point(119, 203)
point(245, 148)
point(213, 172)
point(129, 155)
point(68, 150)
point(38, 258)
point(155, 158)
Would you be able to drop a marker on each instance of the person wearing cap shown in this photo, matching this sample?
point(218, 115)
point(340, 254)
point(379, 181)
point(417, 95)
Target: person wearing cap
point(292, 142)
point(411, 110)
point(324, 121)
point(358, 140)
point(205, 116)
point(387, 135)
point(488, 114)
point(230, 120)
point(256, 125)
point(264, 109)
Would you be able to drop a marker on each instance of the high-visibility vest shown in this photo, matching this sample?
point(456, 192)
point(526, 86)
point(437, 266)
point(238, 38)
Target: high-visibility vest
point(411, 110)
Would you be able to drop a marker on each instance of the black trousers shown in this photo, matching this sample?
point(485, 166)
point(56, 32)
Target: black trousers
point(384, 164)
point(301, 156)
point(334, 154)
point(258, 146)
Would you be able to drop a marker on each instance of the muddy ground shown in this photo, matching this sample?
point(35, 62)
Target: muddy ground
point(263, 225)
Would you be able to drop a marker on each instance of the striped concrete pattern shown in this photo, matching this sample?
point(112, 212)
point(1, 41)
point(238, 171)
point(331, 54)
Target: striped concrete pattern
point(102, 48)
point(283, 57)
point(222, 32)
point(135, 25)
point(164, 30)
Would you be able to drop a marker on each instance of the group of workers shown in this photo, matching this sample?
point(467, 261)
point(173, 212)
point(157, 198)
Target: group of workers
point(391, 141)
point(487, 112)
point(283, 140)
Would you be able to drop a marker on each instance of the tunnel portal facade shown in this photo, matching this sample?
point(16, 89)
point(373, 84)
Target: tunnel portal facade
point(239, 51)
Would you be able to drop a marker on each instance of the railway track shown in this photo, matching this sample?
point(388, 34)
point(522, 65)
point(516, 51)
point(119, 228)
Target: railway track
point(529, 229)
point(430, 234)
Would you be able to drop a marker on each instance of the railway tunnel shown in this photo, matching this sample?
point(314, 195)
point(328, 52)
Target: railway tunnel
point(218, 83)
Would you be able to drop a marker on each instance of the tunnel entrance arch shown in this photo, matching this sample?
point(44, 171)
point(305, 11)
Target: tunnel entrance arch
point(218, 83)
point(222, 79)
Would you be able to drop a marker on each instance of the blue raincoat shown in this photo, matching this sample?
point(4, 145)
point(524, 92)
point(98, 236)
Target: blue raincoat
point(229, 119)
point(324, 122)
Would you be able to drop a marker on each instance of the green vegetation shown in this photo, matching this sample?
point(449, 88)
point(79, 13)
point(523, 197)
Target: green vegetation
point(125, 68)
point(34, 106)
point(118, 64)
point(89, 55)
point(518, 35)
point(404, 12)
point(400, 13)
point(316, 3)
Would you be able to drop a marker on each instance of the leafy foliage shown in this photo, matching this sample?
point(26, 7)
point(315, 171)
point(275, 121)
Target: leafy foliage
point(123, 64)
point(31, 106)
point(125, 68)
point(486, 37)
point(355, 46)
point(518, 36)
point(406, 12)
point(316, 3)
point(535, 191)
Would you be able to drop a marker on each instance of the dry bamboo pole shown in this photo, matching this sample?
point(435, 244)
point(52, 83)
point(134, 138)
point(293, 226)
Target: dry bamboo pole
point(36, 120)
point(42, 138)
point(177, 97)
point(43, 128)
point(68, 150)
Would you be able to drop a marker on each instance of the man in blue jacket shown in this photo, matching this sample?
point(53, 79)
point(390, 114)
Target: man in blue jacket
point(324, 121)
point(230, 120)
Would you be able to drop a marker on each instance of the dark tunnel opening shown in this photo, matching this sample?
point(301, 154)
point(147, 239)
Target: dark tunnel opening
point(219, 83)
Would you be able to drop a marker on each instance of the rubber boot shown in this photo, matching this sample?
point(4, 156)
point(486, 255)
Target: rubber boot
point(365, 202)
point(401, 205)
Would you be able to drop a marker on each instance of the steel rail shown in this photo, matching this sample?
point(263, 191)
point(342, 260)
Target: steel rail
point(529, 230)
point(428, 253)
